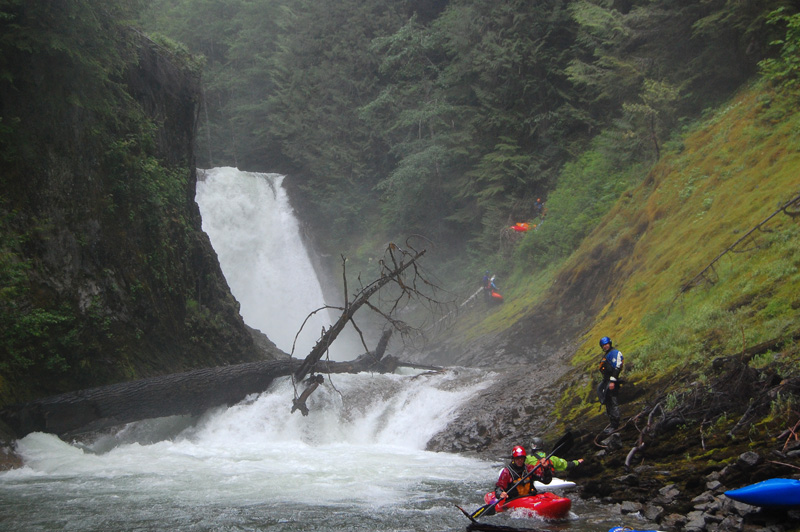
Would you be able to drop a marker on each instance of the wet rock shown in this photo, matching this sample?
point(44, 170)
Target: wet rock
point(9, 459)
point(613, 442)
point(715, 486)
point(630, 507)
point(748, 460)
point(711, 517)
point(732, 507)
point(673, 521)
point(730, 522)
point(652, 512)
point(628, 480)
point(714, 507)
point(695, 521)
point(667, 495)
point(702, 500)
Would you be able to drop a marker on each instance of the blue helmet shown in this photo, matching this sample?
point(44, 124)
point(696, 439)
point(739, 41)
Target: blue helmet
point(605, 340)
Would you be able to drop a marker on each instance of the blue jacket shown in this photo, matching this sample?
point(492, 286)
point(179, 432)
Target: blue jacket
point(611, 365)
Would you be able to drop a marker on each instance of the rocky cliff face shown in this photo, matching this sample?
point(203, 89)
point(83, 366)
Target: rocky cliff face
point(107, 273)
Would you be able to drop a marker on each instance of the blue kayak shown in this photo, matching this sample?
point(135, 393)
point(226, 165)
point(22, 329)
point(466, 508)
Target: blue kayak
point(772, 492)
point(628, 529)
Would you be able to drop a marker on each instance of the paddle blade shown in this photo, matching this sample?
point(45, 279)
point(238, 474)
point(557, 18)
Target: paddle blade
point(463, 511)
point(563, 443)
point(480, 511)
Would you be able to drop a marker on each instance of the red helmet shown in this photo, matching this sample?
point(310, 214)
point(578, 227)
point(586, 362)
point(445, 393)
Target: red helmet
point(518, 451)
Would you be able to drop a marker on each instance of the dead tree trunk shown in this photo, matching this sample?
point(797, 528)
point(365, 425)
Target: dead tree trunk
point(348, 313)
point(188, 393)
point(366, 362)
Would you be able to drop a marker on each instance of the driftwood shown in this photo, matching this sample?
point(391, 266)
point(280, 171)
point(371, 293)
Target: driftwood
point(368, 361)
point(388, 275)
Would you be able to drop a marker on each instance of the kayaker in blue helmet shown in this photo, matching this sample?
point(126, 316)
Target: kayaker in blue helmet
point(512, 474)
point(608, 390)
point(558, 464)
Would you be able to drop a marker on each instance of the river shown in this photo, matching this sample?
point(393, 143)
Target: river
point(356, 462)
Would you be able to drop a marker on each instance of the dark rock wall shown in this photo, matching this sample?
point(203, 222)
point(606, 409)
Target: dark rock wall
point(113, 252)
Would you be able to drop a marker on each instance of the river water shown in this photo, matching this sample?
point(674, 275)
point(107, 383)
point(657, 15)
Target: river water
point(357, 462)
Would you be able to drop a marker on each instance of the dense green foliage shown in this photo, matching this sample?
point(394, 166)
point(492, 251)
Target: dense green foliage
point(98, 243)
point(54, 57)
point(449, 119)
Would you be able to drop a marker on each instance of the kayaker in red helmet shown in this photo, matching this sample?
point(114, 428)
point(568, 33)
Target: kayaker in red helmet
point(513, 473)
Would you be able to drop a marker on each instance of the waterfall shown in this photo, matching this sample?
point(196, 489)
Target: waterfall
point(257, 238)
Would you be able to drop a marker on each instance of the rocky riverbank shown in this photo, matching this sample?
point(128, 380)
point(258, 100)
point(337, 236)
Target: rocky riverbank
point(698, 506)
point(673, 476)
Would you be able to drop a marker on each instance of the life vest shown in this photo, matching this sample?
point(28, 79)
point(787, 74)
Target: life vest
point(611, 364)
point(524, 487)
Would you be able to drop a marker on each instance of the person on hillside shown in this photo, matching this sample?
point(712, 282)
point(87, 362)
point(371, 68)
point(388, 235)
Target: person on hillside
point(608, 390)
point(516, 472)
point(558, 464)
point(486, 284)
point(538, 207)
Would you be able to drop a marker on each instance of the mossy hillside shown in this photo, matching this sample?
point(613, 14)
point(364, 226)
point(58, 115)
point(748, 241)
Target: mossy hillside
point(731, 173)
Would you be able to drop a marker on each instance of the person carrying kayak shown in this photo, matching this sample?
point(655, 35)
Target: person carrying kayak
point(486, 282)
point(515, 471)
point(558, 464)
point(607, 391)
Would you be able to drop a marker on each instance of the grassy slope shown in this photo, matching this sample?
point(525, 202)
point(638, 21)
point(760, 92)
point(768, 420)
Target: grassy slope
point(731, 174)
point(734, 170)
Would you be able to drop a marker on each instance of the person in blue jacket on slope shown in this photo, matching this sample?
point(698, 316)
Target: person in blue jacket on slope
point(608, 391)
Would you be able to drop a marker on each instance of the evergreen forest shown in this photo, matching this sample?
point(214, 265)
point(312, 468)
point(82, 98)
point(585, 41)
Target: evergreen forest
point(450, 119)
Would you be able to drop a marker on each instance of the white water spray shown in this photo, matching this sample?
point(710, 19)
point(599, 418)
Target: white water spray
point(257, 238)
point(360, 449)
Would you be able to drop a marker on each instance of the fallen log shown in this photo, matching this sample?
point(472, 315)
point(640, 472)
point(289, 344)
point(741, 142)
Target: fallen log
point(387, 276)
point(188, 393)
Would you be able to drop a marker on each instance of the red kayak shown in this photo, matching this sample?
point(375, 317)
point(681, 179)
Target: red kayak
point(547, 505)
